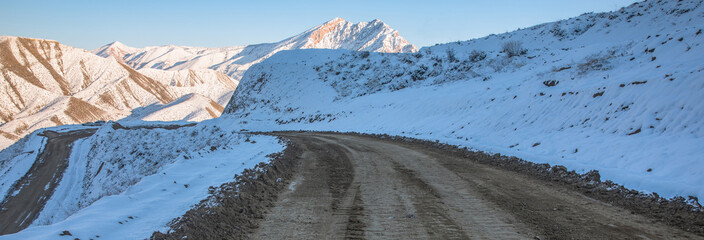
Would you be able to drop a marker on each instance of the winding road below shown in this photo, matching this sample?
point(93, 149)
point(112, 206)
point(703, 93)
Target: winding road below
point(357, 187)
point(36, 187)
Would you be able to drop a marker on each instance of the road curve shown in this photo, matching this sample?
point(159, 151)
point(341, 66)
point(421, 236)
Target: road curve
point(355, 187)
point(36, 187)
point(38, 184)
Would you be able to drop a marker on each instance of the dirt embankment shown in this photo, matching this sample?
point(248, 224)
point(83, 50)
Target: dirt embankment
point(36, 187)
point(233, 210)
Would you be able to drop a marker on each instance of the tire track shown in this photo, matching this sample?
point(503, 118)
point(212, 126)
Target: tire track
point(355, 224)
point(338, 167)
point(430, 207)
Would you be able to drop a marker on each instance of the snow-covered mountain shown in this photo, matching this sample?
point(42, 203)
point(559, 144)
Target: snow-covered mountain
point(209, 83)
point(338, 33)
point(619, 92)
point(45, 84)
point(50, 84)
point(115, 49)
point(205, 108)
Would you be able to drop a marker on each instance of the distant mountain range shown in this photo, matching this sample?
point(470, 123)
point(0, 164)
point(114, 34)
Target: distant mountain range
point(46, 83)
point(374, 36)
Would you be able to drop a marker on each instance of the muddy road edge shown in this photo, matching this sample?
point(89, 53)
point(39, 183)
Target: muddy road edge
point(233, 210)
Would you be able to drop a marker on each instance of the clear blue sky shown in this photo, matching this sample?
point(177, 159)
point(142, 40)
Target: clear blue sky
point(92, 23)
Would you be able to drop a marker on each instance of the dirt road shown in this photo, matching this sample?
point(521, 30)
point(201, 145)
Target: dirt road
point(357, 187)
point(36, 187)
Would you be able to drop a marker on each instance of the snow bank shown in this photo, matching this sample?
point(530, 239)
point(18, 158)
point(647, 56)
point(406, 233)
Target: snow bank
point(126, 184)
point(17, 159)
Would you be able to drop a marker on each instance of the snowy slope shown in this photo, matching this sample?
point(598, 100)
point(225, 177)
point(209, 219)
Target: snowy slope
point(115, 49)
point(234, 61)
point(48, 84)
point(117, 189)
point(209, 83)
point(191, 107)
point(17, 160)
point(619, 92)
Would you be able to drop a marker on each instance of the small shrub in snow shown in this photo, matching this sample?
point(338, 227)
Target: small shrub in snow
point(560, 69)
point(436, 59)
point(476, 56)
point(365, 54)
point(595, 62)
point(451, 56)
point(513, 48)
point(502, 64)
point(557, 31)
point(498, 64)
point(551, 83)
point(419, 74)
point(580, 29)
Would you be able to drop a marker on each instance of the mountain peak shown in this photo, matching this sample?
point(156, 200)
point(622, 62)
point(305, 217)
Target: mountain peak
point(335, 21)
point(117, 44)
point(363, 36)
point(115, 49)
point(337, 33)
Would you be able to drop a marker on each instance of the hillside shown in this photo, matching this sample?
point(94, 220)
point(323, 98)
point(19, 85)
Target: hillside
point(618, 92)
point(180, 109)
point(49, 84)
point(375, 36)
